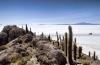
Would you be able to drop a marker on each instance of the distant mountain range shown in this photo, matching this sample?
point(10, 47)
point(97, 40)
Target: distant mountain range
point(82, 23)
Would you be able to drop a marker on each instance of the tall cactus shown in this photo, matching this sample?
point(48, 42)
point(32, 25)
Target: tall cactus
point(75, 49)
point(75, 40)
point(63, 38)
point(57, 38)
point(69, 46)
point(65, 44)
point(60, 38)
point(42, 34)
point(89, 54)
point(26, 28)
point(80, 51)
point(49, 38)
point(30, 29)
point(94, 56)
point(22, 27)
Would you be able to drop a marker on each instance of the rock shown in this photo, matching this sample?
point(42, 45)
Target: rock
point(27, 38)
point(12, 32)
point(3, 38)
point(15, 32)
point(47, 54)
point(5, 61)
point(34, 41)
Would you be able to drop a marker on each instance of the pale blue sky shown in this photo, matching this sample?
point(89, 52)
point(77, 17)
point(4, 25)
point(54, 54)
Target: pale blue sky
point(49, 11)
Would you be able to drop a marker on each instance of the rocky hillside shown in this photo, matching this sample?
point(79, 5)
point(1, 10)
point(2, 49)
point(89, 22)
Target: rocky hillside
point(22, 47)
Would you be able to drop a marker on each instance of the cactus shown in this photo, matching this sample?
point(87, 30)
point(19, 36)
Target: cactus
point(42, 34)
point(89, 54)
point(62, 45)
point(69, 46)
point(57, 38)
point(30, 29)
point(53, 42)
point(65, 44)
point(60, 38)
point(26, 28)
point(75, 40)
point(94, 55)
point(80, 51)
point(75, 49)
point(63, 38)
point(49, 38)
point(22, 27)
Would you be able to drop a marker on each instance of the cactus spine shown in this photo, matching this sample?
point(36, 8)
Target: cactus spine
point(65, 44)
point(75, 49)
point(69, 46)
point(26, 28)
point(80, 51)
point(57, 38)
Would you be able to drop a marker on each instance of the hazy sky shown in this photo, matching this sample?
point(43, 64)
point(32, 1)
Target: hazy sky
point(49, 11)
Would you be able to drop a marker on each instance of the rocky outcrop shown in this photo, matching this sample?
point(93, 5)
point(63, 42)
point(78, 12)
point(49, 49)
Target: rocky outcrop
point(47, 54)
point(3, 38)
point(9, 33)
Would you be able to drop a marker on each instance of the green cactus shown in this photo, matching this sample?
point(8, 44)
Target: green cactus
point(57, 38)
point(94, 55)
point(65, 44)
point(49, 37)
point(69, 46)
point(42, 34)
point(63, 38)
point(89, 54)
point(75, 49)
point(22, 27)
point(60, 38)
point(80, 51)
point(26, 28)
point(75, 40)
point(53, 42)
point(30, 29)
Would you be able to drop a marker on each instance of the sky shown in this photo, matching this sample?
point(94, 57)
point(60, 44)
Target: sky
point(49, 11)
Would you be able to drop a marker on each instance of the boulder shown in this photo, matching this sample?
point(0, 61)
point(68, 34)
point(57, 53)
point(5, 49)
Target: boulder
point(3, 38)
point(47, 54)
point(13, 32)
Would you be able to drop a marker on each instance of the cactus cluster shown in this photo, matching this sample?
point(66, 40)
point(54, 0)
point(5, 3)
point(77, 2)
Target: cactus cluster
point(68, 50)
